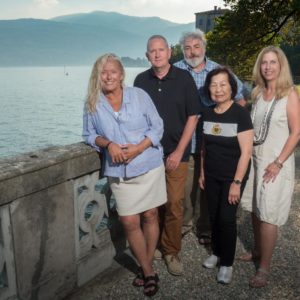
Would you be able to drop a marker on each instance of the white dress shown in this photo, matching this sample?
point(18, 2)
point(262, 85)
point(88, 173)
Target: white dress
point(270, 201)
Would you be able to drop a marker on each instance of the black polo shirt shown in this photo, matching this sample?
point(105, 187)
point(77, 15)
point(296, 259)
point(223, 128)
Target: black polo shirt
point(176, 98)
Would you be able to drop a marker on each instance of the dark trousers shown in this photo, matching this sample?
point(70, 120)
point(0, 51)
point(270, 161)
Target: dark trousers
point(223, 219)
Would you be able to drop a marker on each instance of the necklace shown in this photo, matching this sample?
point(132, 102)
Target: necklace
point(265, 124)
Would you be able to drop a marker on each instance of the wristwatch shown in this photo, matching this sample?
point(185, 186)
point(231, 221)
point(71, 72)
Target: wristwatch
point(236, 181)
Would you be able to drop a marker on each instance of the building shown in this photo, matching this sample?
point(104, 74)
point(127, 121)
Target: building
point(205, 19)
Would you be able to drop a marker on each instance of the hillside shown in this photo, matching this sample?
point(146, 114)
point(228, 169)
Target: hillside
point(78, 39)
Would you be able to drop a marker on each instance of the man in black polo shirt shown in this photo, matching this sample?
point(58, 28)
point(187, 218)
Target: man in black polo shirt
point(175, 96)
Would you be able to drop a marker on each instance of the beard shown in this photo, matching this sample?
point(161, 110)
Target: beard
point(195, 61)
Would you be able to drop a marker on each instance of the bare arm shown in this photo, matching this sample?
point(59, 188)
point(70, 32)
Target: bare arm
point(175, 157)
point(245, 140)
point(293, 115)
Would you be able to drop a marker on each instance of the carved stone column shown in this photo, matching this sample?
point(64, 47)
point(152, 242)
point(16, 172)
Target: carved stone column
point(94, 248)
point(7, 265)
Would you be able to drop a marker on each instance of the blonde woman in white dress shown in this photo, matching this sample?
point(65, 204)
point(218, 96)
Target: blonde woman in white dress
point(276, 120)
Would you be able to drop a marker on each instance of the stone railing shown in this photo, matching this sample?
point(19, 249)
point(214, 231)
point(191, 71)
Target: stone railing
point(55, 234)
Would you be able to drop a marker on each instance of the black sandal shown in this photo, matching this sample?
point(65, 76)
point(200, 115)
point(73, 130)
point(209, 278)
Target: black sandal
point(139, 279)
point(204, 239)
point(152, 283)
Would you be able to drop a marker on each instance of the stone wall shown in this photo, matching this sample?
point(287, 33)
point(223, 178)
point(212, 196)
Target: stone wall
point(55, 222)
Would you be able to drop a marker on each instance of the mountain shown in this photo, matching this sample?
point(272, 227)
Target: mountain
point(79, 39)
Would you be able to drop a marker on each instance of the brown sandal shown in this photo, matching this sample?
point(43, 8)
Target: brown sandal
point(259, 280)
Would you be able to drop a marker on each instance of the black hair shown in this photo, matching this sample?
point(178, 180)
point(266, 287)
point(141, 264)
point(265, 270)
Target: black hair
point(220, 70)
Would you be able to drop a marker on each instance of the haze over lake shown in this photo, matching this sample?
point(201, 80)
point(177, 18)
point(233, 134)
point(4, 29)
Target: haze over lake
point(42, 106)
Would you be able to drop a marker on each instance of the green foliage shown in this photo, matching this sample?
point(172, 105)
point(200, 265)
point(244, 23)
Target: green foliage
point(249, 26)
point(176, 54)
point(293, 55)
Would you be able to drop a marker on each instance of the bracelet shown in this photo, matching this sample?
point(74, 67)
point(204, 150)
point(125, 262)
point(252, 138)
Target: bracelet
point(278, 163)
point(237, 181)
point(107, 145)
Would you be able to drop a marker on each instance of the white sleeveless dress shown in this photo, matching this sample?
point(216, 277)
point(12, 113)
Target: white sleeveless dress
point(270, 201)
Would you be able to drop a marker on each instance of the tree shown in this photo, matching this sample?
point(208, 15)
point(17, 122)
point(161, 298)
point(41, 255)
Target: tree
point(176, 53)
point(249, 26)
point(293, 55)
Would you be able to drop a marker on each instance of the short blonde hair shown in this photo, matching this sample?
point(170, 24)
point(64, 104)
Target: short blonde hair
point(284, 82)
point(94, 85)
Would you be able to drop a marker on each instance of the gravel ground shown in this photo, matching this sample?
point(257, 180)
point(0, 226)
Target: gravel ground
point(200, 283)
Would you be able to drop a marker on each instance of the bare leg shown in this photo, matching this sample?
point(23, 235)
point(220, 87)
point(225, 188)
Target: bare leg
point(257, 236)
point(255, 252)
point(151, 232)
point(268, 237)
point(137, 241)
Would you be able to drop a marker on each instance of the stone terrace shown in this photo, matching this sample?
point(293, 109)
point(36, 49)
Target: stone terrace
point(199, 283)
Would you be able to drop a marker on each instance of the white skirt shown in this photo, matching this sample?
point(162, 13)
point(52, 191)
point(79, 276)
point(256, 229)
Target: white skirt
point(138, 194)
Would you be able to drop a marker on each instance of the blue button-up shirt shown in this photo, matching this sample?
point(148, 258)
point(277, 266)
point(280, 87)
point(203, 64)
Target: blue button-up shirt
point(200, 78)
point(137, 119)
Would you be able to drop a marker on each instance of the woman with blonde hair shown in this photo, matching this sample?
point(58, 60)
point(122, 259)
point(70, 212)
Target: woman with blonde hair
point(276, 119)
point(124, 124)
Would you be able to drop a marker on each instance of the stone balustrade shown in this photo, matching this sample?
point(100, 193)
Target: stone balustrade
point(58, 224)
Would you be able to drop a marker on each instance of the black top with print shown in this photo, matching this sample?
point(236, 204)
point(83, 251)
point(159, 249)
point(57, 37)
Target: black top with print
point(222, 151)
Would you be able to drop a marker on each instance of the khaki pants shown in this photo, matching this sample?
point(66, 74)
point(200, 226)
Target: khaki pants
point(173, 217)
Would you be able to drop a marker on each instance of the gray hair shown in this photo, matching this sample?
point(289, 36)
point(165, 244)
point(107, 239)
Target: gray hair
point(195, 35)
point(157, 36)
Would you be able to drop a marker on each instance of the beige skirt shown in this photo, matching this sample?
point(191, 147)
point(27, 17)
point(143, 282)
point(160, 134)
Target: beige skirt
point(138, 194)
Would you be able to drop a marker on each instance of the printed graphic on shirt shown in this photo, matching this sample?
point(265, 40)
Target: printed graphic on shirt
point(220, 129)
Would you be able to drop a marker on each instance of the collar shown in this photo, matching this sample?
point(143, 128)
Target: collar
point(125, 99)
point(169, 75)
point(206, 66)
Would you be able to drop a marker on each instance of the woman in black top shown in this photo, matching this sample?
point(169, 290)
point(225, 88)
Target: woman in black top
point(227, 148)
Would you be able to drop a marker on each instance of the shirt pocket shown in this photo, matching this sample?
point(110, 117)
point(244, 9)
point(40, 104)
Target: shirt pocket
point(137, 124)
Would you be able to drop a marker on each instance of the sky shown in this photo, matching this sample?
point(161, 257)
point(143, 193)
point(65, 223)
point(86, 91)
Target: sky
point(179, 11)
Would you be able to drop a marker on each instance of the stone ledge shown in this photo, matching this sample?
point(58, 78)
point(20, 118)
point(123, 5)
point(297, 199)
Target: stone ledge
point(34, 171)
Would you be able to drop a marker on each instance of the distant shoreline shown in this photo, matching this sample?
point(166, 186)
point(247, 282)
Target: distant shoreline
point(67, 66)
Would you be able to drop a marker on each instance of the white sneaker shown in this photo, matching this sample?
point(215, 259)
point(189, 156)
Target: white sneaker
point(211, 262)
point(224, 275)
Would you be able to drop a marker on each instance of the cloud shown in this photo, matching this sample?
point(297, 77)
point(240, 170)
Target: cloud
point(46, 3)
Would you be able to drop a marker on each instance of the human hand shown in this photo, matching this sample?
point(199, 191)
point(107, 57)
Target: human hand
point(173, 160)
point(116, 153)
point(202, 182)
point(130, 151)
point(234, 193)
point(271, 172)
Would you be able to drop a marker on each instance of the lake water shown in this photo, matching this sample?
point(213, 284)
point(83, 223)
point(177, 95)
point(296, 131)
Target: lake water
point(42, 106)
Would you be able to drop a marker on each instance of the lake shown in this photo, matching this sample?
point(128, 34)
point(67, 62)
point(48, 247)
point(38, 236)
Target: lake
point(42, 106)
